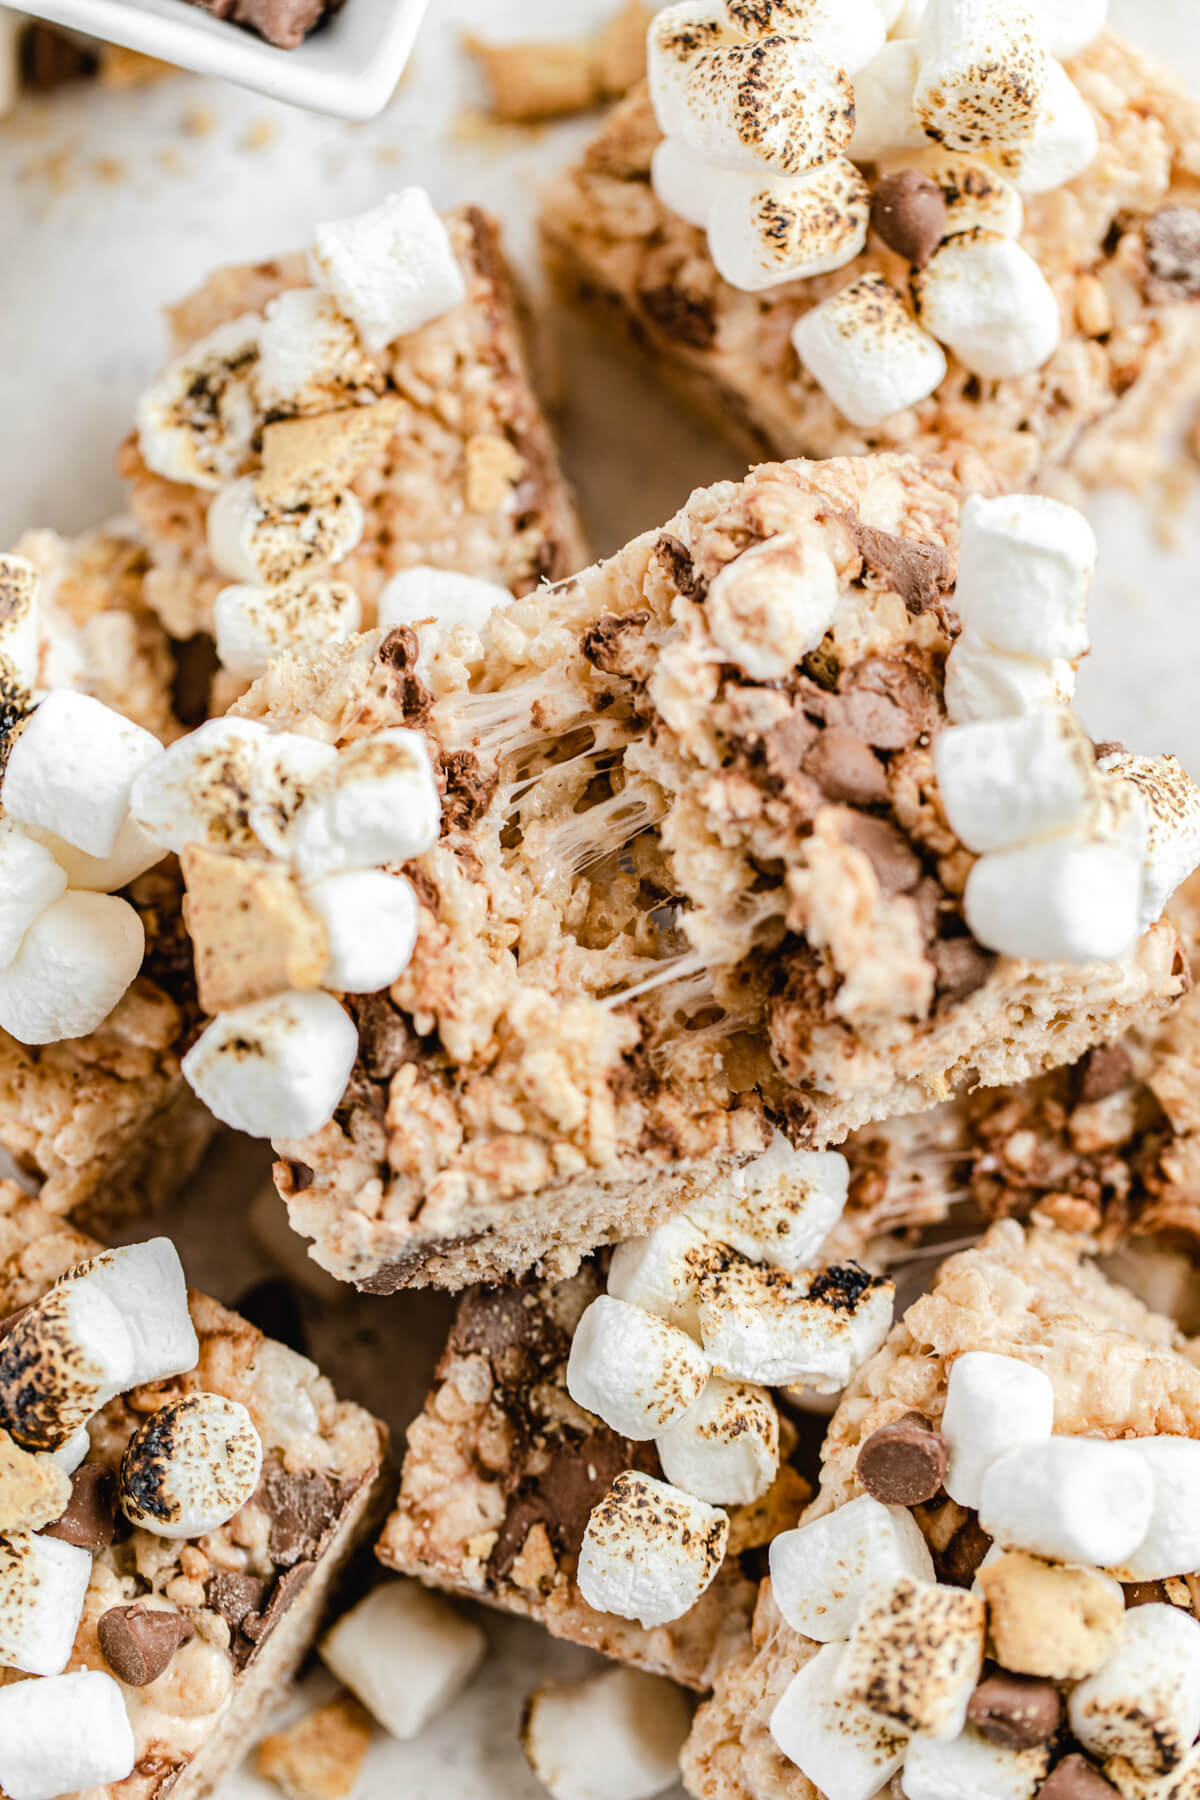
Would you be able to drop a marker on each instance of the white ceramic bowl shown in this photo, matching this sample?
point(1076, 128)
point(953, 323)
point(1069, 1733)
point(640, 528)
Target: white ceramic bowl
point(348, 68)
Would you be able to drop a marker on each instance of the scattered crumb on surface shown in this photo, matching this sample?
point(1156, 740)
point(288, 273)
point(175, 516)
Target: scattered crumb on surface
point(122, 68)
point(259, 133)
point(109, 169)
point(321, 1756)
point(198, 121)
point(548, 80)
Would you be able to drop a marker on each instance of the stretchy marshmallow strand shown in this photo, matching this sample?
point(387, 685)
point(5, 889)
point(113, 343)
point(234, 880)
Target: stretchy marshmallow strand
point(633, 1370)
point(725, 1447)
point(71, 768)
point(822, 1572)
point(43, 1582)
point(642, 1722)
point(650, 1550)
point(75, 963)
point(845, 1750)
point(405, 1654)
point(190, 1466)
point(253, 625)
point(1143, 1704)
point(276, 1068)
point(67, 1735)
point(865, 350)
point(993, 1404)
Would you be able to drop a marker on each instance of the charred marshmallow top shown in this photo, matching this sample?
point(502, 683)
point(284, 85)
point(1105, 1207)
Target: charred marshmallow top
point(791, 127)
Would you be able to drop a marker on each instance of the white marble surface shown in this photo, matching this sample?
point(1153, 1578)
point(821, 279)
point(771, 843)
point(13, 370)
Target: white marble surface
point(111, 204)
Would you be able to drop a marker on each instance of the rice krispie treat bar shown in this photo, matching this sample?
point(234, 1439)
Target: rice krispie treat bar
point(98, 996)
point(992, 1592)
point(178, 1494)
point(760, 823)
point(833, 239)
point(333, 421)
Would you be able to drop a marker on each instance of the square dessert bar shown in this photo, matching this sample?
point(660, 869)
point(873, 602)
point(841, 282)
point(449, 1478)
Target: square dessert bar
point(1063, 1347)
point(1100, 406)
point(245, 1599)
point(694, 881)
point(103, 1126)
point(503, 1470)
point(464, 474)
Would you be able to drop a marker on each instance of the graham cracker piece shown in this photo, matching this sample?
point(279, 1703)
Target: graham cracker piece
point(34, 1491)
point(252, 934)
point(320, 1757)
point(494, 466)
point(549, 80)
point(310, 458)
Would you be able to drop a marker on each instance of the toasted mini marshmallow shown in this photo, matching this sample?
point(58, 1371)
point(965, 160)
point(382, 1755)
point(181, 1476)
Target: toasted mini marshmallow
point(391, 269)
point(197, 422)
point(865, 350)
point(778, 1209)
point(779, 104)
point(264, 544)
point(75, 1451)
point(633, 1370)
point(310, 358)
point(984, 683)
point(252, 625)
point(725, 1447)
point(1068, 1498)
point(197, 791)
point(847, 1752)
point(993, 1404)
point(1071, 25)
point(660, 1273)
point(190, 1466)
point(974, 193)
point(785, 228)
point(19, 646)
point(1171, 806)
point(884, 120)
point(442, 597)
point(1008, 781)
point(42, 1585)
point(650, 1550)
point(75, 962)
point(814, 1328)
point(405, 1654)
point(381, 806)
point(30, 881)
point(986, 298)
point(71, 769)
point(642, 1721)
point(68, 1735)
point(822, 1572)
point(1171, 1545)
point(1065, 141)
point(287, 769)
point(1025, 566)
point(676, 37)
point(915, 1655)
point(1143, 1704)
point(1067, 899)
point(971, 1768)
point(982, 79)
point(771, 605)
point(371, 919)
point(276, 1068)
point(683, 181)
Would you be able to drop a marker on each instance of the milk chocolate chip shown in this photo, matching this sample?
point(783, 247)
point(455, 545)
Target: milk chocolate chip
point(903, 1463)
point(909, 213)
point(90, 1521)
point(138, 1642)
point(1015, 1711)
point(1076, 1778)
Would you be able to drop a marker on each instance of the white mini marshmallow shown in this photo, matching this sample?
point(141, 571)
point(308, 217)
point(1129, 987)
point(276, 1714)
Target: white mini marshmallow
point(1064, 900)
point(985, 297)
point(1171, 809)
point(71, 769)
point(771, 605)
point(982, 79)
point(197, 422)
point(762, 232)
point(76, 1450)
point(284, 771)
point(778, 1209)
point(814, 1328)
point(676, 37)
point(133, 853)
point(42, 1586)
point(683, 181)
point(1143, 1704)
point(310, 358)
point(780, 105)
point(371, 920)
point(907, 23)
point(823, 1571)
point(1171, 1545)
point(633, 1370)
point(75, 962)
point(865, 350)
point(276, 1068)
point(1065, 142)
point(253, 625)
point(444, 597)
point(1071, 25)
point(1008, 781)
point(1071, 1499)
point(639, 1723)
point(30, 881)
point(983, 683)
point(1025, 564)
point(196, 791)
point(847, 1752)
point(725, 1447)
point(19, 625)
point(850, 32)
point(405, 1654)
point(971, 1768)
point(381, 806)
point(660, 1273)
point(70, 1734)
point(391, 269)
point(884, 120)
point(650, 1550)
point(146, 1284)
point(190, 1466)
point(993, 1404)
point(267, 545)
